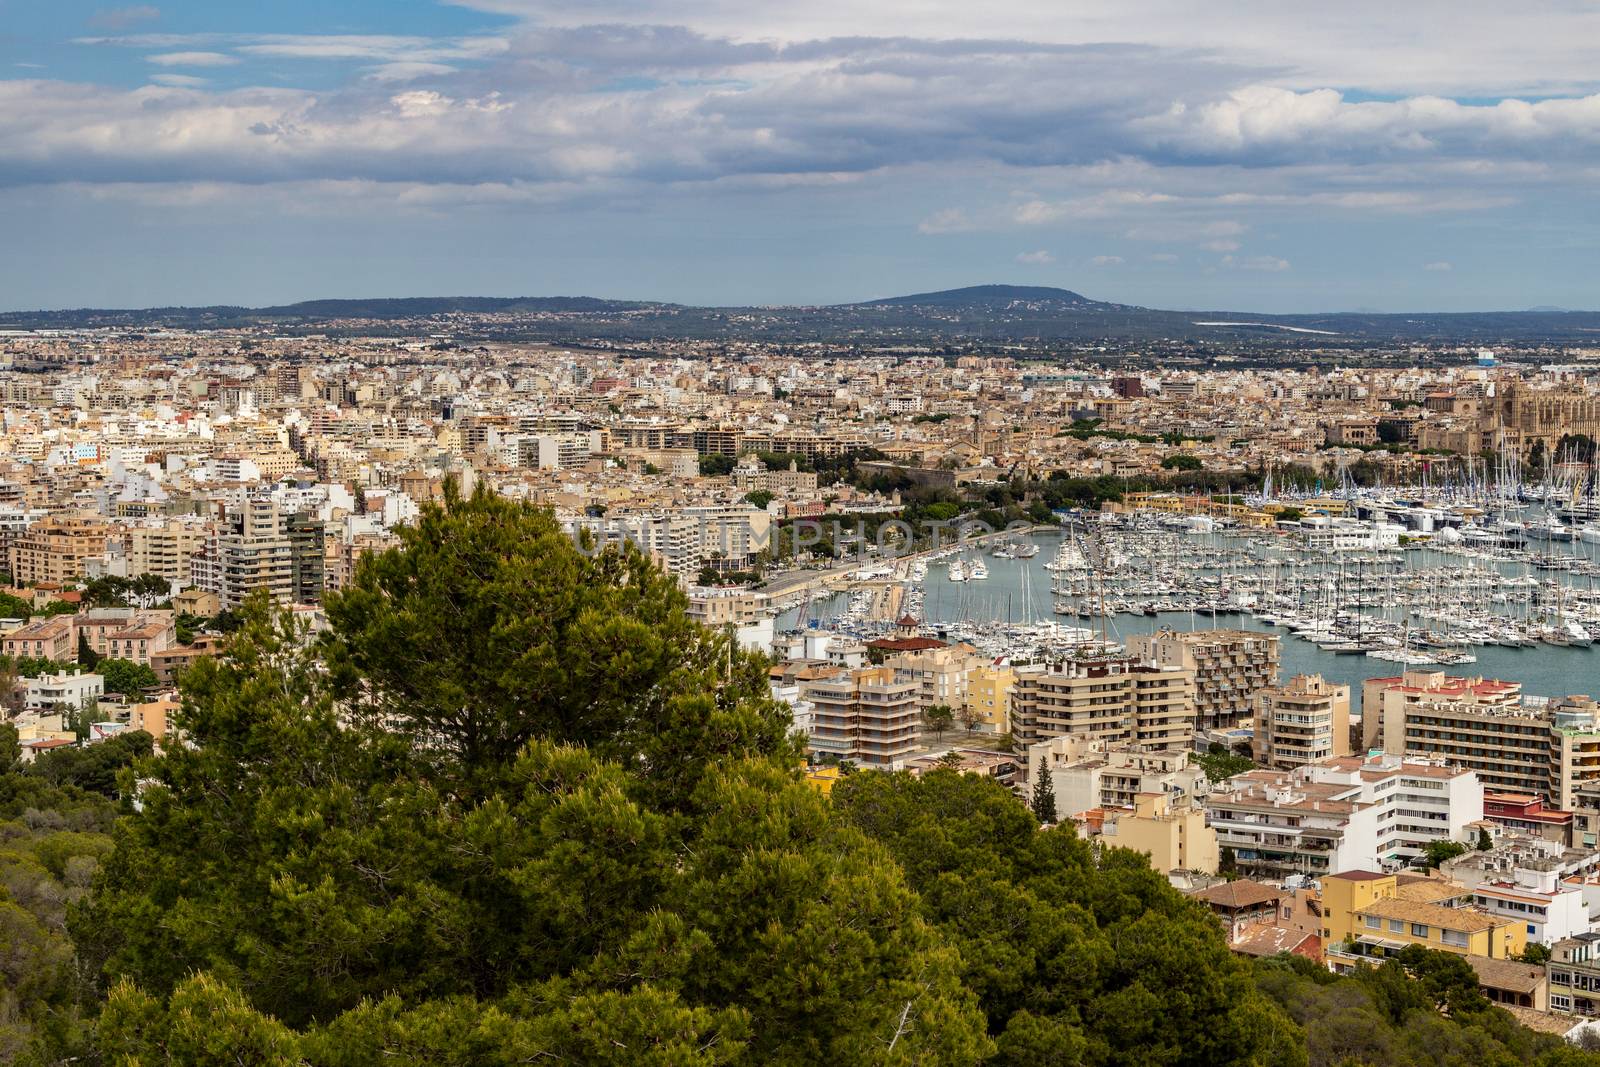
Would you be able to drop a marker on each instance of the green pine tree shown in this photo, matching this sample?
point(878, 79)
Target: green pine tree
point(1044, 796)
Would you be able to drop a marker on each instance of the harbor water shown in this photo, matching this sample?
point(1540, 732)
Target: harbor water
point(1020, 590)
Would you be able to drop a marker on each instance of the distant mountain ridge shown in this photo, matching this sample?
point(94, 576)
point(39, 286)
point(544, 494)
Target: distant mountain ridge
point(990, 295)
point(978, 313)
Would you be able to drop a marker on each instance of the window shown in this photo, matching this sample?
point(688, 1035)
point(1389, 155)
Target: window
point(1419, 930)
point(1396, 926)
point(1533, 931)
point(1454, 937)
point(1374, 923)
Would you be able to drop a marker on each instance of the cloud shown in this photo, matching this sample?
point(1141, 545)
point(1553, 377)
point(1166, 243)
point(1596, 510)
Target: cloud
point(1105, 261)
point(120, 18)
point(1040, 258)
point(1264, 263)
point(1157, 140)
point(405, 72)
point(179, 81)
point(1162, 257)
point(1439, 265)
point(1263, 123)
point(373, 47)
point(192, 59)
point(949, 220)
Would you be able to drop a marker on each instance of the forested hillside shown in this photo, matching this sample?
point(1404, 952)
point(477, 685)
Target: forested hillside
point(514, 808)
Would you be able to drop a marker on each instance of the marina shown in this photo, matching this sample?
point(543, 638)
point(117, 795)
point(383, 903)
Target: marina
point(1525, 609)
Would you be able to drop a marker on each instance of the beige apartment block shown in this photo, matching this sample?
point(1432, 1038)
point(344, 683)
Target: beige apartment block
point(1088, 774)
point(54, 549)
point(1304, 721)
point(1172, 832)
point(1547, 748)
point(165, 549)
point(940, 674)
point(1385, 702)
point(1229, 666)
point(1114, 700)
point(865, 715)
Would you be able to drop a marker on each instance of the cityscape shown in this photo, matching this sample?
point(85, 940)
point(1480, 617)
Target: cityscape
point(869, 655)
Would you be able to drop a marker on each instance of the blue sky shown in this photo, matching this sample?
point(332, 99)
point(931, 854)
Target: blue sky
point(1260, 156)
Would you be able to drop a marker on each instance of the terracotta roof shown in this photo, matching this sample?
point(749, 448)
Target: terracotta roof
point(1264, 940)
point(1507, 974)
point(905, 644)
point(1240, 894)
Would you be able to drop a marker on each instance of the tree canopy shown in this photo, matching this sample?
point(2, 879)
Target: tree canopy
point(558, 824)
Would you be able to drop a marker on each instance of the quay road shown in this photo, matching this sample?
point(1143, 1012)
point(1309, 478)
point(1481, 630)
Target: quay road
point(836, 578)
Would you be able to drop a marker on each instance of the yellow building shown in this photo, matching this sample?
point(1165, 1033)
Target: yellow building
point(1371, 916)
point(822, 778)
point(1174, 836)
point(989, 695)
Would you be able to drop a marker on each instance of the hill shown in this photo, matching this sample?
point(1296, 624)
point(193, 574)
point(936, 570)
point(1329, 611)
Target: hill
point(990, 296)
point(975, 314)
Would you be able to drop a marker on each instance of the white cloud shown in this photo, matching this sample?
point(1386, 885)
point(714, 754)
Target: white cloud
point(949, 220)
point(1105, 261)
point(374, 47)
point(1038, 259)
point(120, 18)
point(179, 81)
point(1265, 263)
point(405, 72)
point(1267, 122)
point(1439, 265)
point(192, 59)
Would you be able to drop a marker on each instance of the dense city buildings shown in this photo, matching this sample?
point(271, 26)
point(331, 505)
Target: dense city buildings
point(888, 524)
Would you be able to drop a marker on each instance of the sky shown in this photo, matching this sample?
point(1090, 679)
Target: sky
point(1253, 155)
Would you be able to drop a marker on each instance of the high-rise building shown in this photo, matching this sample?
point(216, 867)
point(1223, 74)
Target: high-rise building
point(1304, 721)
point(864, 715)
point(1230, 667)
point(164, 549)
point(1547, 748)
point(259, 547)
point(1114, 700)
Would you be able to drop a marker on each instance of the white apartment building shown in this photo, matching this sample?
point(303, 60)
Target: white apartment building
point(63, 692)
point(1537, 882)
point(1347, 814)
